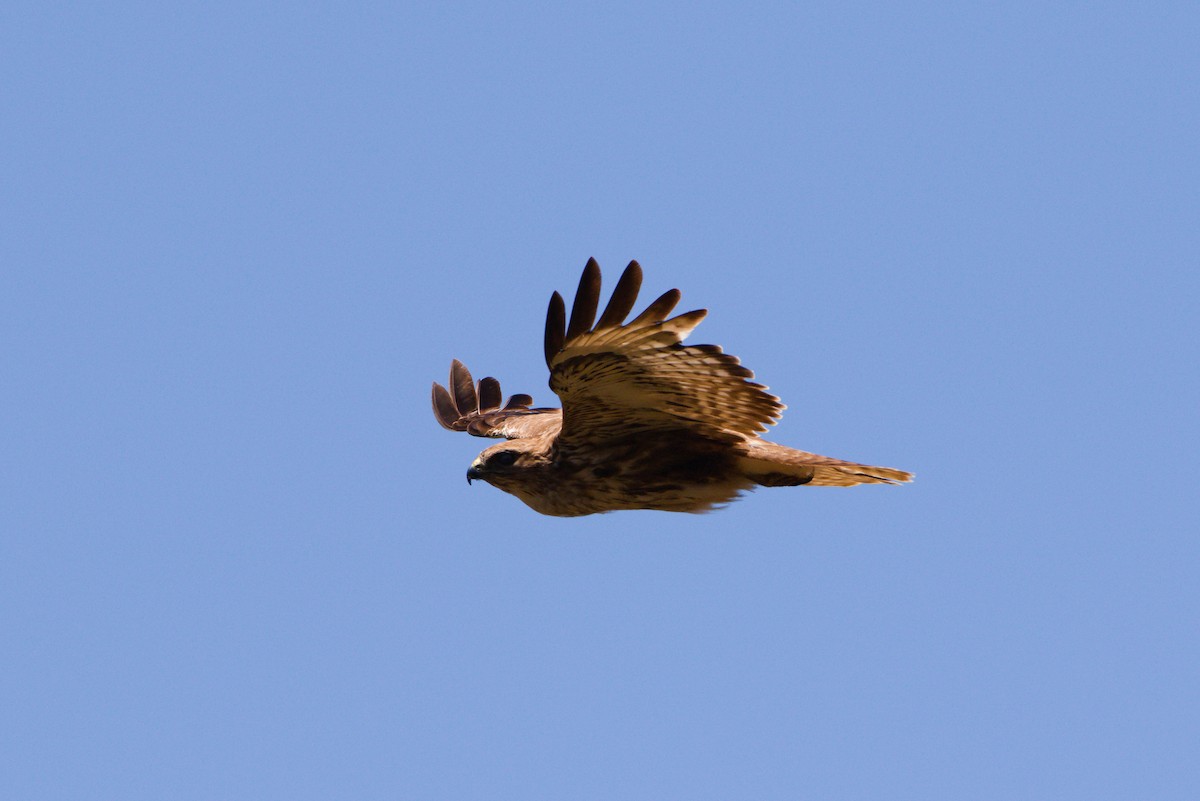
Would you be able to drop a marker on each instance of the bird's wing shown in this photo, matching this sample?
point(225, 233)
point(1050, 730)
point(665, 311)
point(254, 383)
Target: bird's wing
point(479, 409)
point(619, 380)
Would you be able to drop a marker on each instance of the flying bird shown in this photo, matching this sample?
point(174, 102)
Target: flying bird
point(646, 421)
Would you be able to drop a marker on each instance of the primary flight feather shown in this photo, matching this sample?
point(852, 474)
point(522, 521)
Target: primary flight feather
point(646, 421)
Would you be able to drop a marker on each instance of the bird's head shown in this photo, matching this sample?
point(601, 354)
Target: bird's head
point(510, 464)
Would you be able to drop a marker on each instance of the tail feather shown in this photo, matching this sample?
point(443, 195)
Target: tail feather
point(772, 465)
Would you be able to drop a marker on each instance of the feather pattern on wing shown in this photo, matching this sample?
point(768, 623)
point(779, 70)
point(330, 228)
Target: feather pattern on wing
point(478, 411)
point(619, 379)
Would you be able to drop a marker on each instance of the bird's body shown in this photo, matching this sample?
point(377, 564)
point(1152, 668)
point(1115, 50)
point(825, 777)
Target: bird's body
point(647, 422)
point(628, 473)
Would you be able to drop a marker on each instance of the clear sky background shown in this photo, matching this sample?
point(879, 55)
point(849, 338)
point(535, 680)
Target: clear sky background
point(238, 559)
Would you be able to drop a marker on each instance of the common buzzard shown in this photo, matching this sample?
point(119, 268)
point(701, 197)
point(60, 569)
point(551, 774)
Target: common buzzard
point(646, 421)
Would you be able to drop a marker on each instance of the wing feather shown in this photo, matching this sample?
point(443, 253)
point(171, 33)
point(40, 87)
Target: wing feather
point(444, 408)
point(587, 299)
point(462, 386)
point(623, 297)
point(657, 311)
point(518, 401)
point(490, 396)
point(556, 327)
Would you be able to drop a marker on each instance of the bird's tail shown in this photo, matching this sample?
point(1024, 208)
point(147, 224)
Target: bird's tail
point(770, 465)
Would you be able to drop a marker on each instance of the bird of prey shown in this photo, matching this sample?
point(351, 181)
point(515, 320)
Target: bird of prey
point(646, 421)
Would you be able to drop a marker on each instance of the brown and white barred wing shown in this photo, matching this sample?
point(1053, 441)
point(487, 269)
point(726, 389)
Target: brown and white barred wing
point(619, 379)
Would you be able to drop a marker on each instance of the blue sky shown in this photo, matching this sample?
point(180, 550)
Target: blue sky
point(237, 555)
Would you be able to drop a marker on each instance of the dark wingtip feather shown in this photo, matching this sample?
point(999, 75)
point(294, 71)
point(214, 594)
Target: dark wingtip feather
point(693, 318)
point(623, 297)
point(462, 386)
point(490, 396)
point(587, 299)
point(556, 322)
point(443, 407)
point(657, 311)
point(519, 401)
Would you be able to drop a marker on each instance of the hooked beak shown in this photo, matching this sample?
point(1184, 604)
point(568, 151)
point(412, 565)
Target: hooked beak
point(473, 472)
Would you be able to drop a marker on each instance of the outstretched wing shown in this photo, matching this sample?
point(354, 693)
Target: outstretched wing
point(478, 410)
point(619, 379)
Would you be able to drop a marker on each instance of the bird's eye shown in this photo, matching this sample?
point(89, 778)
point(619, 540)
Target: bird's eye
point(504, 458)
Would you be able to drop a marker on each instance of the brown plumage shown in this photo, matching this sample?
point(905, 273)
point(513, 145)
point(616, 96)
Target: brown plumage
point(647, 422)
